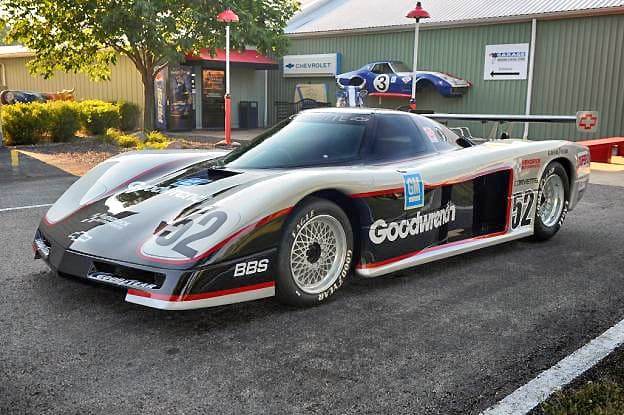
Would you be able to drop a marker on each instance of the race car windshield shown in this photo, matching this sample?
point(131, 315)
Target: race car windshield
point(313, 139)
point(400, 67)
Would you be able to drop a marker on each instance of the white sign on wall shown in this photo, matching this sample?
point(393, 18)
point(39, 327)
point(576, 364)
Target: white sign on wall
point(320, 65)
point(506, 62)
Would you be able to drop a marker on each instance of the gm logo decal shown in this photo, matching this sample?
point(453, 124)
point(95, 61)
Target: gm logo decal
point(414, 191)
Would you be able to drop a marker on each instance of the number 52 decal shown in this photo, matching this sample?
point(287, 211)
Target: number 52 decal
point(522, 206)
point(181, 234)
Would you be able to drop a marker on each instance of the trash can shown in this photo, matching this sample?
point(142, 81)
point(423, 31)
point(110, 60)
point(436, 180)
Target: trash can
point(248, 114)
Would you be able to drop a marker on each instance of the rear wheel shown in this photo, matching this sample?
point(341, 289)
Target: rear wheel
point(315, 255)
point(552, 201)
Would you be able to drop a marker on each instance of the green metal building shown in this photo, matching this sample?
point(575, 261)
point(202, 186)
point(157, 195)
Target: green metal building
point(576, 57)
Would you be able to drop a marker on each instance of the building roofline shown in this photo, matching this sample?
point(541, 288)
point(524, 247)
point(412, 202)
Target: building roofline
point(15, 51)
point(570, 14)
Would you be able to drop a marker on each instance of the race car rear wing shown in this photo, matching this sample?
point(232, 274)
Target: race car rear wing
point(504, 118)
point(499, 120)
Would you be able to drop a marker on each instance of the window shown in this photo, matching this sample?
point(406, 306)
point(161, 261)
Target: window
point(382, 67)
point(400, 67)
point(313, 139)
point(397, 137)
point(441, 137)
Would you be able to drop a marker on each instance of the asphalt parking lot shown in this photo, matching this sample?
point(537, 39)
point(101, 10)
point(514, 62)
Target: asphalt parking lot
point(452, 337)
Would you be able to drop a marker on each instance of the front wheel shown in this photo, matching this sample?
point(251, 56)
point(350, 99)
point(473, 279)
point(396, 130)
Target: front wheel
point(552, 201)
point(315, 254)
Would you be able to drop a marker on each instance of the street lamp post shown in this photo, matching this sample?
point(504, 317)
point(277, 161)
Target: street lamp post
point(227, 16)
point(416, 14)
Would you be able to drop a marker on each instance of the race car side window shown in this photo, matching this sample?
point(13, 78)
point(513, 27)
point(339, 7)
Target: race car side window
point(397, 138)
point(381, 68)
point(440, 136)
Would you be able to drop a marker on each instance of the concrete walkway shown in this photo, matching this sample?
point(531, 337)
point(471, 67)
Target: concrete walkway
point(214, 136)
point(610, 174)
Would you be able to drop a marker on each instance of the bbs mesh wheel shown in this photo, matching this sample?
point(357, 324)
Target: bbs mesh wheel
point(316, 253)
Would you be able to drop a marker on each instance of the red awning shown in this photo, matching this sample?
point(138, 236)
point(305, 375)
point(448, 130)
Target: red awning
point(247, 58)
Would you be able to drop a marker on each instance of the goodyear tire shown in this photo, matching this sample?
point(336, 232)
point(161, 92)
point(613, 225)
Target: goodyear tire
point(553, 198)
point(315, 255)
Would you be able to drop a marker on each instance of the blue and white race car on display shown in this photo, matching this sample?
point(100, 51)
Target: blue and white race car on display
point(394, 78)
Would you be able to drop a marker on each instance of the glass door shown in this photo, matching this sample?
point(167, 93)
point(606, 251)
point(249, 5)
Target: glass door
point(181, 114)
point(213, 103)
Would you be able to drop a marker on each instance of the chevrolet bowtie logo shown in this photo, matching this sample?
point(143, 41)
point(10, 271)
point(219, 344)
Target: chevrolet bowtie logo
point(289, 66)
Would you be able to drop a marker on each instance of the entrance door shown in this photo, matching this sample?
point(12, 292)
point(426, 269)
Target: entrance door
point(213, 103)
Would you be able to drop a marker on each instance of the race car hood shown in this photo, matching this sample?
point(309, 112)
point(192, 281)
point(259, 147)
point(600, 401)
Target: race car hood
point(138, 220)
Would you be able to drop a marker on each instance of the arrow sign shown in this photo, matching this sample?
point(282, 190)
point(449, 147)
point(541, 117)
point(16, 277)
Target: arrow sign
point(493, 74)
point(506, 62)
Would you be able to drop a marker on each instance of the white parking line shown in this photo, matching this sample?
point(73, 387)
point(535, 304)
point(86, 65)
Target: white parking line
point(537, 391)
point(24, 207)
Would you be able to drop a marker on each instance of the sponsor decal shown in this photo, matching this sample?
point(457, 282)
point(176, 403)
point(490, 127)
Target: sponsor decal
point(526, 182)
point(329, 117)
point(122, 282)
point(431, 134)
point(251, 267)
point(191, 181)
point(393, 79)
point(583, 159)
point(558, 151)
point(406, 79)
point(81, 236)
point(381, 231)
point(414, 190)
point(104, 219)
point(531, 164)
point(172, 191)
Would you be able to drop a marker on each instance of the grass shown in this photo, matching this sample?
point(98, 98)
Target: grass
point(600, 398)
point(598, 392)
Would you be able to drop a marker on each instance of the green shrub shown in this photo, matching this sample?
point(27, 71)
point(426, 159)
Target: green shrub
point(113, 133)
point(156, 137)
point(98, 116)
point(129, 141)
point(129, 114)
point(155, 146)
point(156, 140)
point(63, 120)
point(24, 123)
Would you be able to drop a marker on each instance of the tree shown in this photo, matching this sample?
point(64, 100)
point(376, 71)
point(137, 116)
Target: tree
point(88, 35)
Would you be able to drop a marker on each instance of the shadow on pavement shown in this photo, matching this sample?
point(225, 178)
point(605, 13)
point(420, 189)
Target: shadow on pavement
point(15, 165)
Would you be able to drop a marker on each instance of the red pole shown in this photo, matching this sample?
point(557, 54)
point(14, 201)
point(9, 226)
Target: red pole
point(228, 120)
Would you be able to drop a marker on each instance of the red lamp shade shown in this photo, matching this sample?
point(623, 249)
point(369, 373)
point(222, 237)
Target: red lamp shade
point(418, 12)
point(227, 16)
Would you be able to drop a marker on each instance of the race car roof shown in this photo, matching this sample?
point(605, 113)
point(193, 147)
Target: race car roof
point(320, 16)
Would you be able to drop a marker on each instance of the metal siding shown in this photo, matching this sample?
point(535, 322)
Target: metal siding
point(459, 51)
point(247, 85)
point(578, 66)
point(125, 82)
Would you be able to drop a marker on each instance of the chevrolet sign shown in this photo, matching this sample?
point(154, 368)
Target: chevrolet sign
point(320, 65)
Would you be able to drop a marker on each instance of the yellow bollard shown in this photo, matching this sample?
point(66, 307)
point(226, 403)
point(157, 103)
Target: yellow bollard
point(14, 158)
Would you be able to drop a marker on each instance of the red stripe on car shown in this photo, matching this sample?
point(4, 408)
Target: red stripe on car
point(201, 296)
